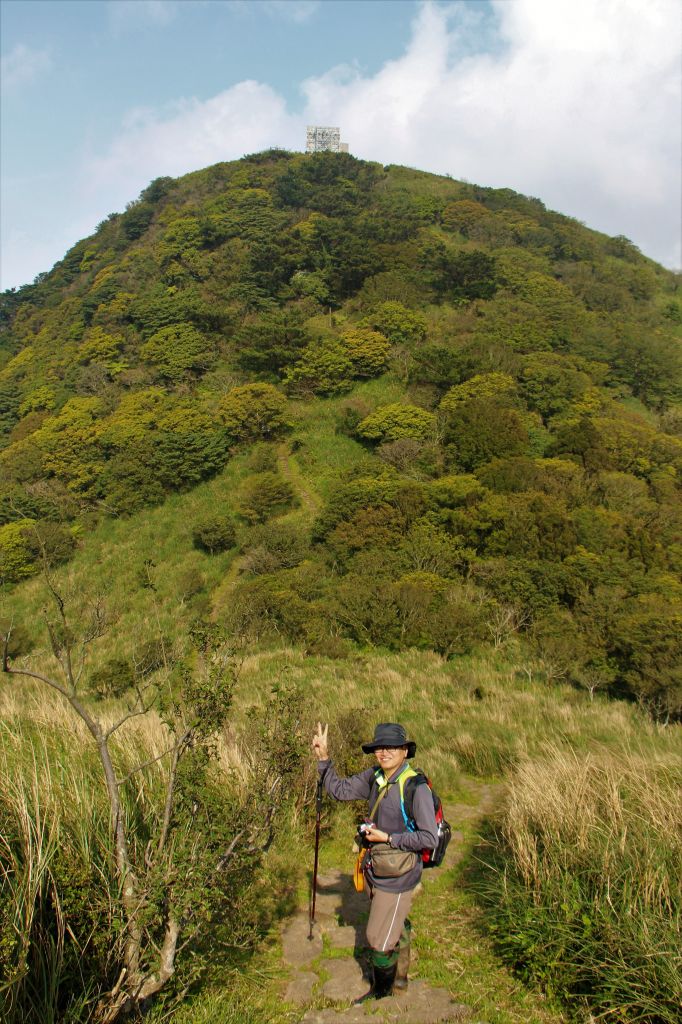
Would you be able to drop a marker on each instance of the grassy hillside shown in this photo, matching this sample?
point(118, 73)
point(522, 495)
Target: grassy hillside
point(480, 400)
point(408, 449)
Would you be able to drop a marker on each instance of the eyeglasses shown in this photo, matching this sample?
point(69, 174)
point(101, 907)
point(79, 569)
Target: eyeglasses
point(377, 749)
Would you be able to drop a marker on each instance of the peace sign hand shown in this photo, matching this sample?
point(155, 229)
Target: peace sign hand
point(320, 742)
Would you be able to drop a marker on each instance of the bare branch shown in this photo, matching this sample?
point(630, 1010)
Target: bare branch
point(180, 748)
point(5, 648)
point(145, 764)
point(98, 627)
point(92, 724)
point(126, 718)
point(226, 857)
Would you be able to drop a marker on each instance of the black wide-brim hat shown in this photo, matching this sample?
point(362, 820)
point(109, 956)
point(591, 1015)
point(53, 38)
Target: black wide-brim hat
point(390, 734)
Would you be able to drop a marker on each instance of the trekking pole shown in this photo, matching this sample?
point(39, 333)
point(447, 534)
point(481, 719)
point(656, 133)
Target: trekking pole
point(318, 818)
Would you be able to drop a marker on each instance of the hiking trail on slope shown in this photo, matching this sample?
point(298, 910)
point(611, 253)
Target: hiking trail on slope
point(320, 969)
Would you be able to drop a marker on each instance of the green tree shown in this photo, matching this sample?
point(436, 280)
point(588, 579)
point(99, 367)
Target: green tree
point(253, 412)
point(376, 526)
point(482, 429)
point(650, 362)
point(105, 349)
point(324, 368)
point(214, 533)
point(395, 421)
point(266, 343)
point(400, 325)
point(558, 643)
point(264, 495)
point(17, 556)
point(177, 351)
point(551, 384)
point(464, 215)
point(367, 350)
point(484, 385)
point(458, 275)
point(647, 641)
point(457, 623)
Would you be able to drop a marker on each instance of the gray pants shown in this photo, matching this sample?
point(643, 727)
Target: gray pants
point(387, 913)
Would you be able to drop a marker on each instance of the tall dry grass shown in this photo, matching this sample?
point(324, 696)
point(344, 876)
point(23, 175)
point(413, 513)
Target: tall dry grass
point(59, 899)
point(584, 887)
point(586, 883)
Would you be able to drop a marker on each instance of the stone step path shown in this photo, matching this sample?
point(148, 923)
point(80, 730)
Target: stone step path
point(331, 966)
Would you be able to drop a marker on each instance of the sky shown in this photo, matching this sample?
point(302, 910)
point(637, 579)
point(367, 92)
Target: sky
point(577, 102)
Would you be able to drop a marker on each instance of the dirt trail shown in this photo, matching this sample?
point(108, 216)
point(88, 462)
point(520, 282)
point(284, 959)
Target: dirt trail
point(311, 502)
point(291, 471)
point(319, 970)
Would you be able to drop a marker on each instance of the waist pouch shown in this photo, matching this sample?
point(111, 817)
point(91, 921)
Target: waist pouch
point(389, 863)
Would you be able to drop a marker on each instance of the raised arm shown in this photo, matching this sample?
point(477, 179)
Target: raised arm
point(357, 787)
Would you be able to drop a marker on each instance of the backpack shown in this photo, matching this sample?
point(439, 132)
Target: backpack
point(407, 784)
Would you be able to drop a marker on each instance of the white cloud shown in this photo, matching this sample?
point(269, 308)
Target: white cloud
point(190, 135)
point(22, 65)
point(577, 103)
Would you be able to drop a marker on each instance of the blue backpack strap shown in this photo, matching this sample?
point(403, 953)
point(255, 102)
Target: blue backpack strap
point(415, 778)
point(404, 777)
point(380, 781)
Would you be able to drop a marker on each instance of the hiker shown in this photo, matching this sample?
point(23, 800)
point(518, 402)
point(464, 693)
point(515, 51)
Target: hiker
point(391, 877)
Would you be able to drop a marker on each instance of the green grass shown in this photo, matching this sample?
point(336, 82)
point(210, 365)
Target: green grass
point(451, 952)
point(582, 881)
point(111, 560)
point(475, 716)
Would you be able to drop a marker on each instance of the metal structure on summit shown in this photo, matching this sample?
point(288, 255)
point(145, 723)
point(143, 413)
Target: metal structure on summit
point(321, 139)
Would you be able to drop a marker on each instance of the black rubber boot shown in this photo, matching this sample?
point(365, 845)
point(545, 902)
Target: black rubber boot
point(382, 984)
point(384, 978)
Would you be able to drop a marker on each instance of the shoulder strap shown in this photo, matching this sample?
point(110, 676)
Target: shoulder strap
point(414, 778)
point(382, 793)
point(383, 785)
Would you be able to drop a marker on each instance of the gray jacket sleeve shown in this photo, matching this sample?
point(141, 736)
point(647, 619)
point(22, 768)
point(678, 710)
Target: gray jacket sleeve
point(426, 836)
point(356, 787)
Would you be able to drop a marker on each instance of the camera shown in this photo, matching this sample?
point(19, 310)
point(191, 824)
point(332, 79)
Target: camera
point(363, 828)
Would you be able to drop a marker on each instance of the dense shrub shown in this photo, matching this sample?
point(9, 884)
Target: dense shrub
point(177, 350)
point(253, 412)
point(274, 546)
point(263, 496)
point(400, 325)
point(367, 349)
point(324, 368)
point(396, 421)
point(214, 533)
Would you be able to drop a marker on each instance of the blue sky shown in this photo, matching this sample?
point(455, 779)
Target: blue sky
point(573, 101)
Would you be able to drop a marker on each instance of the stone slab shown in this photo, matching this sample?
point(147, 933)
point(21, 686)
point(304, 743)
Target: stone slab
point(346, 980)
point(345, 937)
point(349, 906)
point(300, 989)
point(297, 949)
point(330, 903)
point(422, 1004)
point(390, 1011)
point(333, 881)
point(353, 1015)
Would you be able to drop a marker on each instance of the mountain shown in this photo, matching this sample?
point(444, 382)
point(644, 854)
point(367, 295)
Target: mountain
point(378, 407)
